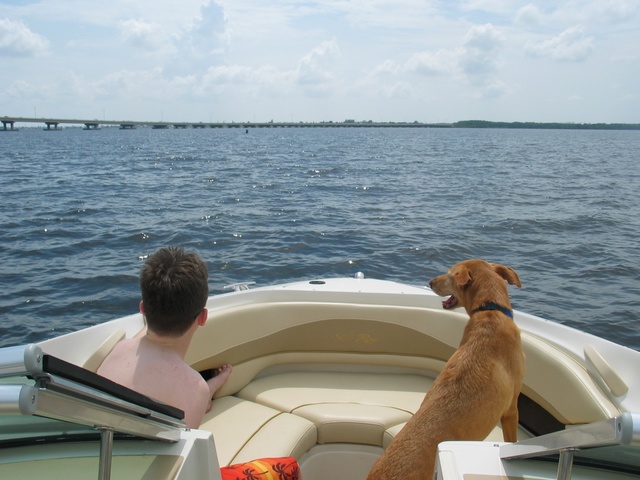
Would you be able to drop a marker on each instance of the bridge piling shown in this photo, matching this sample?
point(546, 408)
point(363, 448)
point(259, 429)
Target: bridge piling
point(52, 124)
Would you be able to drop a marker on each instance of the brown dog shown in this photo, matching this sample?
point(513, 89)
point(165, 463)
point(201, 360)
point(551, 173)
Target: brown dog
point(480, 383)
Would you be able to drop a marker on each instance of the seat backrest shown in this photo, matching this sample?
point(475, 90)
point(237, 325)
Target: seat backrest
point(95, 360)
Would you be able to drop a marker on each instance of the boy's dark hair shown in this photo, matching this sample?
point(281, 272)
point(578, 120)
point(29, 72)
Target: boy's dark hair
point(174, 286)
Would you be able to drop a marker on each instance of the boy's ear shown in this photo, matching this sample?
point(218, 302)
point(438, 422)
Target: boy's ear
point(202, 317)
point(141, 308)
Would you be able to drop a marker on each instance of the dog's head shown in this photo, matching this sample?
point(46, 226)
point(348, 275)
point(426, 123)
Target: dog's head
point(471, 283)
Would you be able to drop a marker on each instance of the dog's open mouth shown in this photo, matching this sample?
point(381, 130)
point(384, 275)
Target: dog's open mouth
point(451, 302)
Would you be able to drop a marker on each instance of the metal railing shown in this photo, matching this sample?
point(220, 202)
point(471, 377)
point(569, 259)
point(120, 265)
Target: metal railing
point(622, 430)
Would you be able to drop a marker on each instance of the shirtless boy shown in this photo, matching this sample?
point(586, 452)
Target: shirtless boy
point(174, 286)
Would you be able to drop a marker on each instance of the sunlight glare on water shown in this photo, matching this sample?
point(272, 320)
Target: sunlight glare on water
point(81, 211)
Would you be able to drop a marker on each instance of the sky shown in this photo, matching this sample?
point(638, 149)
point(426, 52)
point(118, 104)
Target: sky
point(321, 60)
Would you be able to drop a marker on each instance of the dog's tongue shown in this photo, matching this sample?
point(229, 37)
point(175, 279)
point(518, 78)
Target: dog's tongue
point(450, 302)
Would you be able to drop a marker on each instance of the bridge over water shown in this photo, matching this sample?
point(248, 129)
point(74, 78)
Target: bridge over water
point(8, 124)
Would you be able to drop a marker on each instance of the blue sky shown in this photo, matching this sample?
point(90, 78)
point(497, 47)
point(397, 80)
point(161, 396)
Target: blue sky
point(321, 60)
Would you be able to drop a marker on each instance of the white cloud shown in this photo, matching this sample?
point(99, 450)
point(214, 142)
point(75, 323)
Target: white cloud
point(16, 39)
point(320, 59)
point(314, 74)
point(476, 61)
point(388, 67)
point(315, 68)
point(495, 6)
point(394, 14)
point(223, 75)
point(232, 78)
point(483, 37)
point(529, 15)
point(126, 86)
point(21, 89)
point(152, 84)
point(426, 63)
point(206, 34)
point(603, 12)
point(615, 11)
point(143, 35)
point(480, 57)
point(572, 45)
point(201, 43)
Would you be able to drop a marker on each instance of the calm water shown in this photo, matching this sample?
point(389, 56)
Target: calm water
point(80, 210)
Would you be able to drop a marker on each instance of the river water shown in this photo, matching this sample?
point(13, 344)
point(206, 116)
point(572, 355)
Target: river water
point(80, 211)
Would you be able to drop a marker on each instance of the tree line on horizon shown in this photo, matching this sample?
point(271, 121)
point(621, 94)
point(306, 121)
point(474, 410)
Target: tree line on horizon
point(546, 125)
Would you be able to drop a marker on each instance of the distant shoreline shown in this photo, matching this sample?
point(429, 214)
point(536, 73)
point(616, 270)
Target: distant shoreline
point(546, 125)
point(8, 124)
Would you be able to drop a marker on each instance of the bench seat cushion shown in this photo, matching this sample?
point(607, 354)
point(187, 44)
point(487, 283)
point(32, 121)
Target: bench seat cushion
point(291, 390)
point(352, 423)
point(286, 414)
point(244, 431)
point(344, 406)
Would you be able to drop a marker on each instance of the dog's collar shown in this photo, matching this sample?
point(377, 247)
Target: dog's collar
point(494, 306)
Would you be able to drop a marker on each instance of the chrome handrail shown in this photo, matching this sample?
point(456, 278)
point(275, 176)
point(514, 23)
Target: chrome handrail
point(623, 429)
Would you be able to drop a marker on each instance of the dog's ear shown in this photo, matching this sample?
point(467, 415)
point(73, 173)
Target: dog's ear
point(508, 273)
point(461, 275)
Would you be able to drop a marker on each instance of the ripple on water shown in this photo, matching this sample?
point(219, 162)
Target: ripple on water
point(80, 213)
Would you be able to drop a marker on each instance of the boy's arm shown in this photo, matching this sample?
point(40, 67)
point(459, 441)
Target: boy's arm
point(219, 378)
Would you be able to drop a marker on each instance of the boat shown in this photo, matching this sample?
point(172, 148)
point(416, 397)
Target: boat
point(326, 371)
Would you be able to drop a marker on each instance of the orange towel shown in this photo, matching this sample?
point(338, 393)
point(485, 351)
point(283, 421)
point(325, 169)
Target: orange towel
point(282, 468)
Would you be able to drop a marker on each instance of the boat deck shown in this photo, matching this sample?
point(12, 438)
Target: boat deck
point(329, 372)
